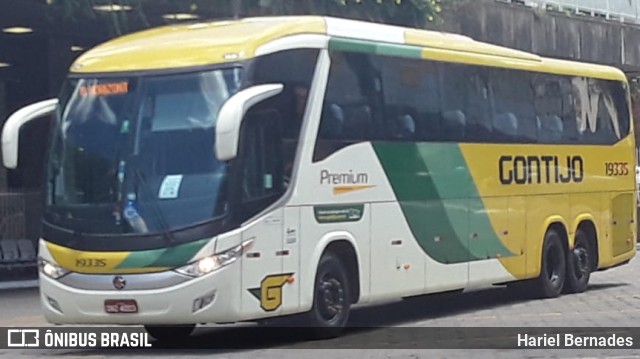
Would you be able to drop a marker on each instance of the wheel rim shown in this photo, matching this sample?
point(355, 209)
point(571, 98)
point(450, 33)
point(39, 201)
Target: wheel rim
point(580, 261)
point(331, 298)
point(553, 266)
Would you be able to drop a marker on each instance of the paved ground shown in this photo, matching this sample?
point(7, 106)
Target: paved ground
point(613, 300)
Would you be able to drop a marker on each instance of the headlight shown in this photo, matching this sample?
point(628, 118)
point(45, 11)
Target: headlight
point(51, 270)
point(212, 263)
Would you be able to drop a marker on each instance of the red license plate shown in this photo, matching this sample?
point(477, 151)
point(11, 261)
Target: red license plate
point(125, 306)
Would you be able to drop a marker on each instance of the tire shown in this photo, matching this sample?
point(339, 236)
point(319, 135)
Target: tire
point(553, 271)
point(170, 333)
point(331, 300)
point(579, 264)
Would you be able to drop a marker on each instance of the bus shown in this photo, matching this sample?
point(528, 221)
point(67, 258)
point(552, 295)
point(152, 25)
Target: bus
point(298, 167)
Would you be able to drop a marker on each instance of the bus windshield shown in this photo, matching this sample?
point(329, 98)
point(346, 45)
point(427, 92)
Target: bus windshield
point(136, 154)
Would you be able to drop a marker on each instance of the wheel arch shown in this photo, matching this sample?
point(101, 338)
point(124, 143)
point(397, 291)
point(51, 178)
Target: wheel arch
point(344, 245)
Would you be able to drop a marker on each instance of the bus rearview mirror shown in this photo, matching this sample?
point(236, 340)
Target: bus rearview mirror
point(11, 128)
point(232, 113)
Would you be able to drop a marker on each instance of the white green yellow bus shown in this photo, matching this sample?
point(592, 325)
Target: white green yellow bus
point(298, 166)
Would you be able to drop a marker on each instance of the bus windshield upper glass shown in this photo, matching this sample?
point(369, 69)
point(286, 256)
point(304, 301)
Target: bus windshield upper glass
point(136, 155)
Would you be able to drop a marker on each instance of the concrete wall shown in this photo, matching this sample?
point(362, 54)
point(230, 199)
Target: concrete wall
point(549, 33)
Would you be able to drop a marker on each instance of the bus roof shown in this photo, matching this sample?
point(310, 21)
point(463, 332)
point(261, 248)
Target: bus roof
point(205, 43)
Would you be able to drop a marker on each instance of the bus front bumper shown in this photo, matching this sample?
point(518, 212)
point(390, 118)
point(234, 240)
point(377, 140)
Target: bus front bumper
point(212, 298)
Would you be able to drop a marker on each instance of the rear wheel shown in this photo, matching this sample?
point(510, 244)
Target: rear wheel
point(553, 272)
point(579, 264)
point(170, 333)
point(331, 299)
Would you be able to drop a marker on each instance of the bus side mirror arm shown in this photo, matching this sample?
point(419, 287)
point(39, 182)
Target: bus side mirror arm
point(232, 113)
point(11, 128)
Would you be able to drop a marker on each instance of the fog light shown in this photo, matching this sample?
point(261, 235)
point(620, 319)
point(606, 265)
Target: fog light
point(202, 302)
point(54, 304)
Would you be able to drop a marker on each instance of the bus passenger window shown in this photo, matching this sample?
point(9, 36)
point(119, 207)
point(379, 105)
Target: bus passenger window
point(454, 124)
point(454, 94)
point(547, 102)
point(351, 106)
point(405, 127)
point(505, 126)
point(568, 111)
point(515, 118)
point(550, 129)
point(332, 122)
point(597, 115)
point(411, 93)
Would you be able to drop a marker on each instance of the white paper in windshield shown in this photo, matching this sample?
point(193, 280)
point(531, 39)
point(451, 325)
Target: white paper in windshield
point(170, 187)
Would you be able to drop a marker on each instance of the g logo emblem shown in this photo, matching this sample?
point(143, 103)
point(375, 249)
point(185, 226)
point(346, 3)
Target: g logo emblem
point(270, 292)
point(119, 282)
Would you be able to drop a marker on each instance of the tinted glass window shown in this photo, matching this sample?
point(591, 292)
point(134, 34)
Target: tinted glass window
point(598, 116)
point(261, 170)
point(261, 164)
point(136, 155)
point(454, 102)
point(549, 100)
point(352, 109)
point(434, 101)
point(411, 99)
point(294, 69)
point(514, 118)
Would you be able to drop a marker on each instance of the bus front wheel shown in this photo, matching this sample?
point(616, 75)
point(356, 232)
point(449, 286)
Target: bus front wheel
point(579, 264)
point(553, 272)
point(331, 299)
point(169, 333)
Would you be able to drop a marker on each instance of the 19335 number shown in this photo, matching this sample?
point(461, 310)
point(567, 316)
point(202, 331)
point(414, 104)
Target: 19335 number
point(616, 168)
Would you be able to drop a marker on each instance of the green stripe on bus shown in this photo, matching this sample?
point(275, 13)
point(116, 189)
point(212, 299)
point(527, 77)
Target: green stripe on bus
point(439, 200)
point(167, 257)
point(424, 210)
point(141, 259)
point(452, 179)
point(340, 44)
point(180, 255)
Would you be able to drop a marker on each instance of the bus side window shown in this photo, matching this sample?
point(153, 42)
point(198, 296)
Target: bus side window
point(514, 118)
point(453, 107)
point(454, 124)
point(351, 109)
point(294, 69)
point(550, 129)
point(261, 163)
point(619, 97)
point(547, 101)
point(478, 104)
point(412, 99)
point(570, 133)
point(598, 116)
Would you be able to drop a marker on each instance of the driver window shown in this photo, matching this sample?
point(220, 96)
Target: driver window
point(294, 69)
point(262, 165)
